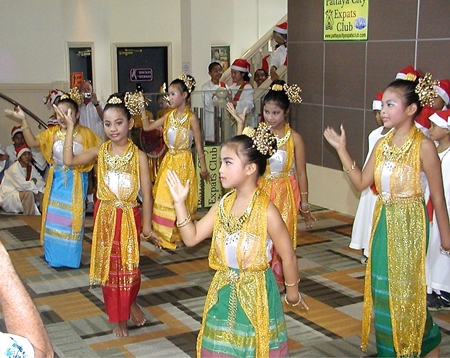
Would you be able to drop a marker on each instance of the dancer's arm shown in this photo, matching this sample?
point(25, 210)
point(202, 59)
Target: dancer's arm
point(191, 233)
point(147, 198)
point(29, 137)
point(195, 126)
point(239, 117)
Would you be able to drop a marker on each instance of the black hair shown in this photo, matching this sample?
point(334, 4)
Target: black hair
point(248, 153)
point(246, 76)
point(120, 105)
point(180, 83)
point(70, 102)
point(212, 65)
point(407, 89)
point(280, 98)
point(262, 69)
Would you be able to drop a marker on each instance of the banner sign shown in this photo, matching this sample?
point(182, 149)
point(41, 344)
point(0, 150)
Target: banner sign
point(345, 20)
point(209, 192)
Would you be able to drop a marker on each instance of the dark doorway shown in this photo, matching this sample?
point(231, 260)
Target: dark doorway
point(80, 63)
point(144, 66)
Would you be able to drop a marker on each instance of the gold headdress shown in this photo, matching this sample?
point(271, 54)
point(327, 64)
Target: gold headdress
point(163, 90)
point(134, 102)
point(74, 94)
point(426, 90)
point(114, 100)
point(188, 80)
point(293, 91)
point(263, 139)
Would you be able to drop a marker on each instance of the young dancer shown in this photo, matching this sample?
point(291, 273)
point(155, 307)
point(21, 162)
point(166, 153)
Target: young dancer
point(122, 171)
point(285, 179)
point(395, 277)
point(243, 315)
point(62, 207)
point(361, 230)
point(181, 127)
point(437, 265)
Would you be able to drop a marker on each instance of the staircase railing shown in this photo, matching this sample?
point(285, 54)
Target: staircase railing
point(27, 111)
point(255, 54)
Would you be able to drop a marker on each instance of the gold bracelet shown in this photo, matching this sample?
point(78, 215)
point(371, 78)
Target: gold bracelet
point(144, 118)
point(304, 211)
point(67, 147)
point(349, 170)
point(147, 237)
point(201, 156)
point(27, 127)
point(184, 222)
point(304, 193)
point(291, 284)
point(293, 304)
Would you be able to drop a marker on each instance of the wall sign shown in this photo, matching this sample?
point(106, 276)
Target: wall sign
point(345, 20)
point(141, 74)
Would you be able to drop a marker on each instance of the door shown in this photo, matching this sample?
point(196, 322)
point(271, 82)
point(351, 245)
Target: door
point(80, 64)
point(144, 66)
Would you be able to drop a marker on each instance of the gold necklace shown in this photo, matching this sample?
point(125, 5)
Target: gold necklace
point(175, 121)
point(282, 141)
point(393, 153)
point(115, 162)
point(231, 223)
point(62, 136)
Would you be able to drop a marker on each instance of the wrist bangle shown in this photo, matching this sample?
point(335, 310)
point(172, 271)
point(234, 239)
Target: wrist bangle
point(291, 284)
point(184, 222)
point(304, 193)
point(95, 105)
point(23, 128)
point(293, 304)
point(304, 211)
point(351, 168)
point(443, 251)
point(144, 118)
point(147, 237)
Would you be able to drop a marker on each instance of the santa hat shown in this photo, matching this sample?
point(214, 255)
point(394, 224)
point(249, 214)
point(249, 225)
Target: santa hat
point(376, 104)
point(22, 149)
point(407, 70)
point(441, 119)
point(52, 96)
point(241, 65)
point(443, 90)
point(15, 130)
point(281, 28)
point(422, 121)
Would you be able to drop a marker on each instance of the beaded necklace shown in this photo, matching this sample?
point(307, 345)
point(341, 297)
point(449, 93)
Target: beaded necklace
point(62, 136)
point(184, 116)
point(115, 162)
point(392, 152)
point(231, 223)
point(283, 140)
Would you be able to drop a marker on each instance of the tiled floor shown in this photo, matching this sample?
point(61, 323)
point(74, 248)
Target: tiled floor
point(174, 285)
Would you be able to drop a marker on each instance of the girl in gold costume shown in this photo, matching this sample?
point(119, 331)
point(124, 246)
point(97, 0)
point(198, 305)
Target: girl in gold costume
point(285, 179)
point(395, 286)
point(122, 171)
point(243, 315)
point(180, 127)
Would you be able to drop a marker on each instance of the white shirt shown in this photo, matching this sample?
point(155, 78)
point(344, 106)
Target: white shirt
point(90, 118)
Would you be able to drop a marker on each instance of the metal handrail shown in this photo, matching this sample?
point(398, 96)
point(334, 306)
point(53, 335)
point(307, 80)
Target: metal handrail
point(27, 111)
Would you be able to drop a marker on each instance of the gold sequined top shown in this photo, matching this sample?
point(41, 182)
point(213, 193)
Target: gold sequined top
point(117, 188)
point(397, 177)
point(252, 260)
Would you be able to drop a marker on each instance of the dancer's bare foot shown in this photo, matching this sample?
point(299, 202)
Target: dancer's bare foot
point(137, 316)
point(179, 244)
point(121, 329)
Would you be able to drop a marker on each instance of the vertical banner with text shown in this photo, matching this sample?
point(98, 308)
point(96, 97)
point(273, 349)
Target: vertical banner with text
point(345, 20)
point(209, 192)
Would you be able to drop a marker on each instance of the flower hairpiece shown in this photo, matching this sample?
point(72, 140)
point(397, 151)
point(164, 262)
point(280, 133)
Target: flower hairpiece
point(162, 90)
point(134, 102)
point(74, 94)
point(189, 81)
point(114, 100)
point(426, 90)
point(263, 139)
point(293, 91)
point(410, 77)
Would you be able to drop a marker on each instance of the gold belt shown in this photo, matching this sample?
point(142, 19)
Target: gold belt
point(174, 151)
point(389, 200)
point(280, 175)
point(120, 204)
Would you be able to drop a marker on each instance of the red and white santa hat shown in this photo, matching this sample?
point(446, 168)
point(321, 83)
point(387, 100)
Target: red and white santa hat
point(241, 65)
point(441, 118)
point(15, 130)
point(281, 28)
point(376, 104)
point(406, 71)
point(52, 96)
point(22, 149)
point(443, 90)
point(422, 121)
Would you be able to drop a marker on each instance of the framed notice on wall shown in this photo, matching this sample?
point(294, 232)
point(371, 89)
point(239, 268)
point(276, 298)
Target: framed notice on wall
point(221, 54)
point(345, 20)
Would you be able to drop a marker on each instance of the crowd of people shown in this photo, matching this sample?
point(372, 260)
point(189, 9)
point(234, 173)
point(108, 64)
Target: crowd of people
point(253, 227)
